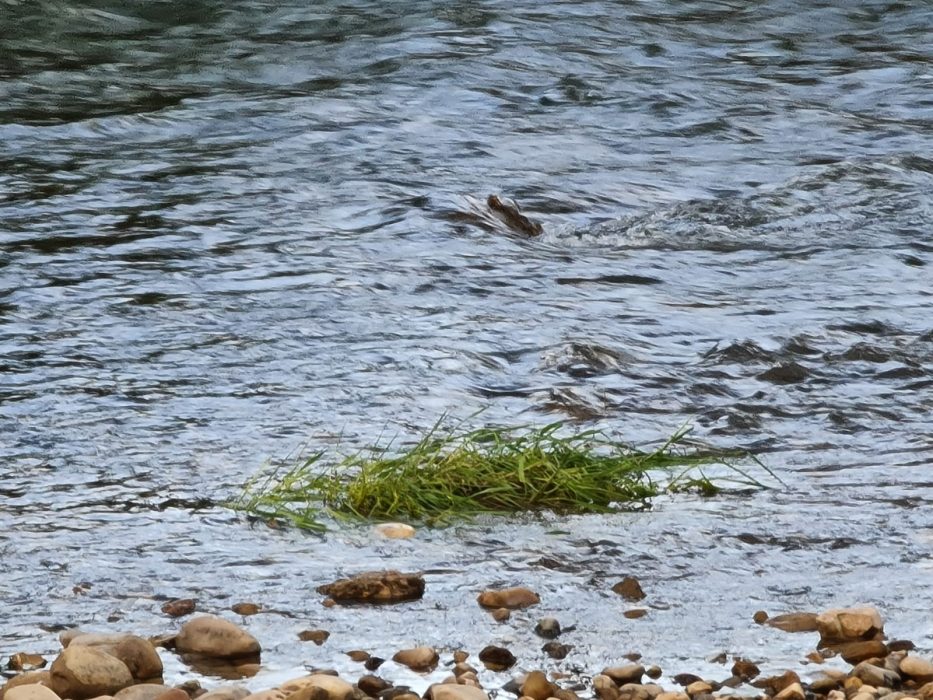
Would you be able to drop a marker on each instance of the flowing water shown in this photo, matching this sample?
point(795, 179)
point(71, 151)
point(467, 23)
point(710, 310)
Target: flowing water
point(230, 230)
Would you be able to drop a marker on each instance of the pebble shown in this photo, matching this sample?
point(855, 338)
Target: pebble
point(548, 628)
point(395, 531)
point(246, 609)
point(497, 658)
point(513, 598)
point(316, 636)
point(423, 658)
point(180, 607)
point(375, 587)
point(82, 672)
point(537, 686)
point(217, 638)
point(629, 588)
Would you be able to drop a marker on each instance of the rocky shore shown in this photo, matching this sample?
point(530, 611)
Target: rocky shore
point(123, 666)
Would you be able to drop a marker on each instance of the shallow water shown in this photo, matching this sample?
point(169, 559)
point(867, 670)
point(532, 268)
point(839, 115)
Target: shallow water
point(229, 233)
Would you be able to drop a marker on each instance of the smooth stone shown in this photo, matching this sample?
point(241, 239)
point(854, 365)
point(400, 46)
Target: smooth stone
point(31, 691)
point(556, 650)
point(317, 686)
point(654, 672)
point(855, 652)
point(775, 684)
point(453, 691)
point(792, 692)
point(226, 692)
point(824, 685)
point(270, 694)
point(745, 669)
point(173, 694)
point(215, 637)
point(460, 656)
point(421, 658)
point(926, 691)
point(794, 622)
point(635, 691)
point(395, 531)
point(672, 696)
point(849, 625)
point(513, 598)
point(497, 658)
point(635, 613)
point(537, 686)
point(372, 685)
point(180, 607)
point(698, 688)
point(548, 628)
point(232, 669)
point(461, 667)
point(139, 655)
point(359, 655)
point(82, 672)
point(316, 636)
point(605, 688)
point(501, 614)
point(875, 675)
point(760, 617)
point(377, 587)
point(835, 695)
point(629, 588)
point(141, 691)
point(22, 661)
point(27, 678)
point(917, 668)
point(620, 675)
point(246, 609)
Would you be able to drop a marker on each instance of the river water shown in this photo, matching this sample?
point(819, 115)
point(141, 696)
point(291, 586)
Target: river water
point(231, 230)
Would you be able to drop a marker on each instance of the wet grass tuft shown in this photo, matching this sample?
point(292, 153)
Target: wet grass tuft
point(451, 474)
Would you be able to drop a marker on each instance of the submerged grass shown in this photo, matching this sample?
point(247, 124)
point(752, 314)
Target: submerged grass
point(451, 474)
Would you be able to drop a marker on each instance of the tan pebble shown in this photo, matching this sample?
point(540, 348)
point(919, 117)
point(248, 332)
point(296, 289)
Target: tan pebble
point(635, 613)
point(815, 657)
point(460, 656)
point(316, 636)
point(698, 688)
point(82, 672)
point(173, 694)
point(467, 678)
point(917, 668)
point(317, 686)
point(835, 695)
point(513, 598)
point(180, 607)
point(760, 617)
point(566, 694)
point(860, 695)
point(501, 614)
point(849, 625)
point(145, 691)
point(672, 696)
point(271, 694)
point(328, 603)
point(621, 675)
point(395, 531)
point(31, 691)
point(358, 655)
point(462, 667)
point(926, 691)
point(605, 688)
point(223, 692)
point(654, 672)
point(215, 637)
point(794, 622)
point(851, 685)
point(537, 686)
point(792, 692)
point(440, 691)
point(423, 658)
point(246, 609)
point(629, 588)
point(22, 661)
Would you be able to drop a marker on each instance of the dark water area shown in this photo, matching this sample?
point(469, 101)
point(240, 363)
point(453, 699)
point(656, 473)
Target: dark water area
point(230, 230)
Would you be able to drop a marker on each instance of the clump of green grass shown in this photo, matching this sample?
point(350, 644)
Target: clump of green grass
point(454, 474)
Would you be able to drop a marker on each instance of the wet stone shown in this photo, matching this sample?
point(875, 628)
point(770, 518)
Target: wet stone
point(792, 692)
point(760, 617)
point(179, 607)
point(246, 609)
point(537, 686)
point(917, 668)
point(775, 684)
point(358, 655)
point(785, 373)
point(447, 691)
point(373, 662)
point(501, 614)
point(372, 685)
point(497, 658)
point(556, 650)
point(216, 638)
point(621, 675)
point(21, 661)
point(513, 598)
point(316, 636)
point(548, 628)
point(855, 652)
point(85, 672)
point(635, 613)
point(423, 658)
point(794, 622)
point(654, 672)
point(376, 587)
point(629, 588)
point(849, 625)
point(31, 691)
point(745, 669)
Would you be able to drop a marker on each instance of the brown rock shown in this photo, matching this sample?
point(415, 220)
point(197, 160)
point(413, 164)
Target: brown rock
point(760, 617)
point(605, 688)
point(376, 587)
point(629, 588)
point(271, 694)
point(794, 622)
point(497, 658)
point(173, 694)
point(358, 655)
point(27, 678)
point(22, 661)
point(246, 609)
point(142, 691)
point(672, 696)
point(421, 658)
point(233, 669)
point(775, 684)
point(925, 692)
point(917, 669)
point(501, 614)
point(548, 628)
point(556, 650)
point(698, 688)
point(854, 652)
point(620, 675)
point(511, 598)
point(635, 613)
point(745, 669)
point(180, 607)
point(216, 638)
point(875, 675)
point(318, 637)
point(822, 686)
point(224, 692)
point(453, 691)
point(654, 672)
point(849, 625)
point(30, 691)
point(792, 692)
point(82, 672)
point(372, 685)
point(317, 686)
point(137, 653)
point(537, 686)
point(462, 667)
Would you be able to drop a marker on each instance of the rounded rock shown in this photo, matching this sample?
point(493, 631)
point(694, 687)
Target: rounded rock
point(537, 686)
point(317, 686)
point(215, 637)
point(548, 628)
point(421, 658)
point(225, 692)
point(139, 655)
point(395, 531)
point(917, 668)
point(82, 672)
point(142, 691)
point(513, 598)
point(497, 658)
point(450, 691)
point(30, 691)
